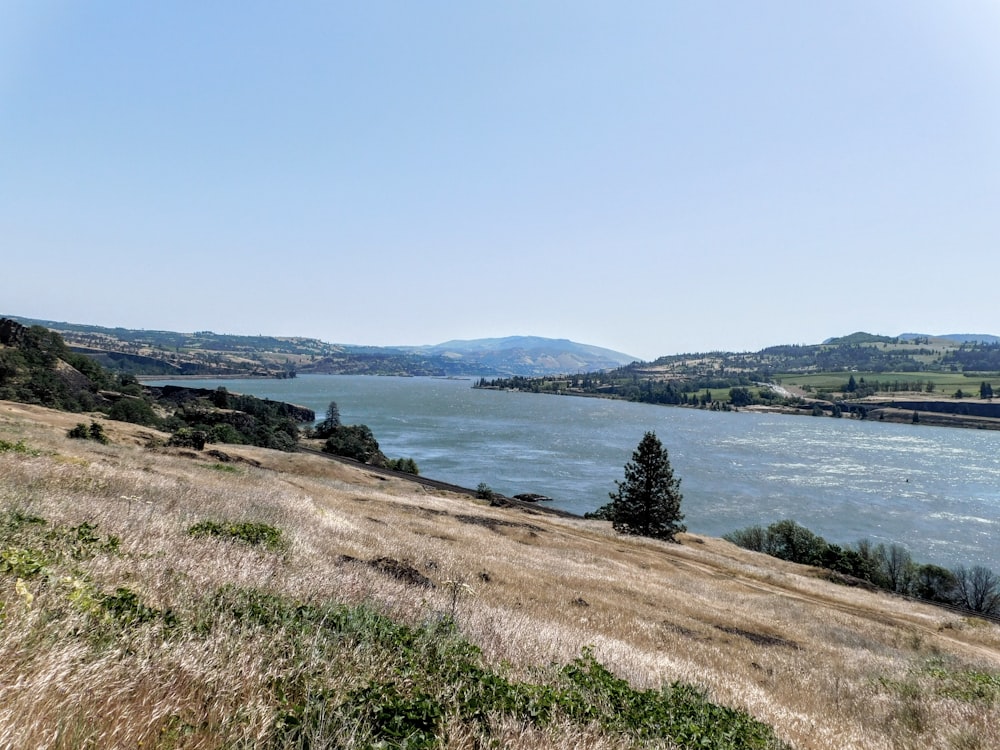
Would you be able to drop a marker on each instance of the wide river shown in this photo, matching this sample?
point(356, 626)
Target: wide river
point(934, 490)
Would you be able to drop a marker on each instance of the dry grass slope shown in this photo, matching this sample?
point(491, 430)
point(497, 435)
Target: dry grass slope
point(825, 666)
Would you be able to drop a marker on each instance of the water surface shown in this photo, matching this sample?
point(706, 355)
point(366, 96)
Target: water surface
point(935, 490)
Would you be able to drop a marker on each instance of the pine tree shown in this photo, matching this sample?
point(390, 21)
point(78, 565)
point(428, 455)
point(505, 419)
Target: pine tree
point(329, 426)
point(648, 502)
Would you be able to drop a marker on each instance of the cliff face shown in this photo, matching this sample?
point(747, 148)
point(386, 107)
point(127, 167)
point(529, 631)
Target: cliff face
point(179, 395)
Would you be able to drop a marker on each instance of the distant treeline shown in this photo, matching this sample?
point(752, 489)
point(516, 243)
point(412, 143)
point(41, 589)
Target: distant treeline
point(886, 567)
point(625, 384)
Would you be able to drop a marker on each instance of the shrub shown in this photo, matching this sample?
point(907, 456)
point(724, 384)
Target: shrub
point(225, 433)
point(185, 437)
point(405, 465)
point(83, 432)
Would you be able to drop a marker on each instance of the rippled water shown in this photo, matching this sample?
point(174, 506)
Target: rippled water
point(935, 490)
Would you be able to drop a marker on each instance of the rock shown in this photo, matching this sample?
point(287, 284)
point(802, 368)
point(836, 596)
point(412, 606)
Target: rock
point(531, 497)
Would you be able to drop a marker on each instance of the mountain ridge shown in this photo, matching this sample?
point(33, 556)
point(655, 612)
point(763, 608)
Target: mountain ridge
point(209, 354)
point(206, 353)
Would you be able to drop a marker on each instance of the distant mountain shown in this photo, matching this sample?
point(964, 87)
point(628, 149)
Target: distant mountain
point(860, 337)
point(529, 355)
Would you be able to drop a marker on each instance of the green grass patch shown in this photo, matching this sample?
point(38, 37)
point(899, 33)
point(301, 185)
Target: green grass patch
point(19, 447)
point(224, 468)
point(30, 546)
point(429, 672)
point(248, 532)
point(965, 684)
point(944, 383)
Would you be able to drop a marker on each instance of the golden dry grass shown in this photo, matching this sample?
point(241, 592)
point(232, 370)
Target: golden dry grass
point(825, 665)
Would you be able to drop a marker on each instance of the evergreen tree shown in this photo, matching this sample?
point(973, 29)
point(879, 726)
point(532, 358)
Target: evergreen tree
point(648, 502)
point(329, 426)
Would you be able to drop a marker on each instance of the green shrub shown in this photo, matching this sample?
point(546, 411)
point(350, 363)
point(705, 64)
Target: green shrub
point(185, 437)
point(405, 465)
point(94, 432)
point(126, 608)
point(225, 433)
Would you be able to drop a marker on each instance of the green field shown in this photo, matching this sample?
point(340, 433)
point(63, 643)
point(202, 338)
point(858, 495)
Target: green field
point(944, 382)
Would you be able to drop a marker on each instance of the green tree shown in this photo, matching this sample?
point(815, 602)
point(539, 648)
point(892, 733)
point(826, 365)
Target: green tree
point(220, 399)
point(790, 541)
point(985, 390)
point(648, 502)
point(740, 396)
point(330, 424)
point(135, 410)
point(353, 441)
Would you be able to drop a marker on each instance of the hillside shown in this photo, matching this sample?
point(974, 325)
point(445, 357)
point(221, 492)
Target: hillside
point(209, 354)
point(912, 378)
point(37, 367)
point(123, 627)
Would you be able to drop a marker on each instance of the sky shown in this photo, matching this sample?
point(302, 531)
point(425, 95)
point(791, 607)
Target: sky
point(652, 177)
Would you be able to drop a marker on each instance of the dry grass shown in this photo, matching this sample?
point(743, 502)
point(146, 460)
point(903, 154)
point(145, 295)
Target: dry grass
point(826, 666)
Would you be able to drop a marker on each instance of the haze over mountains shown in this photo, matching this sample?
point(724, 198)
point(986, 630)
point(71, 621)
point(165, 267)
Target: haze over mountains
point(518, 352)
point(168, 353)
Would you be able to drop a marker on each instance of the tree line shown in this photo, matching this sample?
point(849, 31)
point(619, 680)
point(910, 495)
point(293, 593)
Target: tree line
point(886, 567)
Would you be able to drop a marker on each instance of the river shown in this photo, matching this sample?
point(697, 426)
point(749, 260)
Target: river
point(934, 490)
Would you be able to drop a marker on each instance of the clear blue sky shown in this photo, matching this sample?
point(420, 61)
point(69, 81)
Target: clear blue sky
point(654, 177)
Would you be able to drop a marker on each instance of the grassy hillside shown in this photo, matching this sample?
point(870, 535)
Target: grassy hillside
point(209, 354)
point(158, 597)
